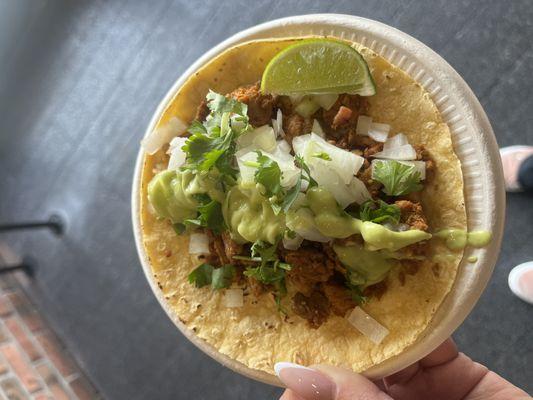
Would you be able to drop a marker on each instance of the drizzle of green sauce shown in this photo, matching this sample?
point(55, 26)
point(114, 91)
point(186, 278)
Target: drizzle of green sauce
point(472, 259)
point(457, 239)
point(365, 267)
point(331, 222)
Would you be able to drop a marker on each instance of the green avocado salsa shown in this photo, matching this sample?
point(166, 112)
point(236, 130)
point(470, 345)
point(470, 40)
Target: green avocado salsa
point(457, 239)
point(172, 193)
point(332, 222)
point(365, 267)
point(249, 216)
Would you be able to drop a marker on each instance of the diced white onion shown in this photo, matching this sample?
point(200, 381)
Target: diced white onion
point(262, 138)
point(317, 129)
point(375, 130)
point(307, 107)
point(420, 166)
point(358, 191)
point(233, 298)
point(198, 243)
point(284, 146)
point(177, 155)
point(277, 124)
point(395, 141)
point(292, 243)
point(325, 101)
point(344, 163)
point(363, 125)
point(405, 152)
point(378, 136)
point(379, 132)
point(367, 325)
point(162, 135)
point(290, 172)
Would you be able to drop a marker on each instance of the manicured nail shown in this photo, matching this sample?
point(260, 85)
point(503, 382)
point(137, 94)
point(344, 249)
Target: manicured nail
point(305, 382)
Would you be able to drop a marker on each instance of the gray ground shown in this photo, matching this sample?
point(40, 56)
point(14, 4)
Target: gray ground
point(78, 83)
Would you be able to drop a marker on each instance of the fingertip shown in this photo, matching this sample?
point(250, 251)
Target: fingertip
point(351, 385)
point(290, 395)
point(403, 376)
point(446, 352)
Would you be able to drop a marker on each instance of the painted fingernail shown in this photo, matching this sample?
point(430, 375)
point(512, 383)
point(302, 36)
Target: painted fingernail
point(305, 382)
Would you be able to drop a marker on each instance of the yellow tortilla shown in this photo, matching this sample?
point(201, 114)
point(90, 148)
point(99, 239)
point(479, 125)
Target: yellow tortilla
point(256, 334)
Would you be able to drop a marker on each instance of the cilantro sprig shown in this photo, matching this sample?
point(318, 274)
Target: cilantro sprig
point(397, 178)
point(209, 215)
point(270, 271)
point(267, 174)
point(379, 212)
point(300, 163)
point(212, 143)
point(218, 278)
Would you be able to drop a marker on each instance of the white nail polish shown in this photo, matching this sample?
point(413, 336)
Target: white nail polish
point(521, 281)
point(284, 364)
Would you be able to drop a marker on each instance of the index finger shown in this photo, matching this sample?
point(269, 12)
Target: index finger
point(446, 352)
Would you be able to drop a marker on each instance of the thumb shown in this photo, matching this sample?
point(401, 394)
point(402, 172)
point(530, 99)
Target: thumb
point(322, 382)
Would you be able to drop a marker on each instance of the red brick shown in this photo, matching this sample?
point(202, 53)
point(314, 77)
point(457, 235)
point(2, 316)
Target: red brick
point(17, 331)
point(26, 311)
point(21, 367)
point(52, 381)
point(57, 354)
point(12, 389)
point(83, 389)
point(5, 306)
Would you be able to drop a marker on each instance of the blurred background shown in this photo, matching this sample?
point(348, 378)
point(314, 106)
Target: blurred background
point(79, 81)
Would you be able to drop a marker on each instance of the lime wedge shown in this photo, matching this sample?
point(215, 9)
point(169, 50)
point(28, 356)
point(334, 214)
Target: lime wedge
point(318, 66)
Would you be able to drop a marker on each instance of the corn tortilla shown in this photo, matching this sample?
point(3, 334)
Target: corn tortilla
point(256, 334)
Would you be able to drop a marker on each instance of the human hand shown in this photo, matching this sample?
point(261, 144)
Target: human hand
point(443, 374)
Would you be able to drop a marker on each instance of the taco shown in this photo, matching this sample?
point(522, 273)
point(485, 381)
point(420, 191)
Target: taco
point(299, 227)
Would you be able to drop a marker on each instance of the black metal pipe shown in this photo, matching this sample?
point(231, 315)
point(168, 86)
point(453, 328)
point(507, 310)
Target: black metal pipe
point(54, 223)
point(25, 266)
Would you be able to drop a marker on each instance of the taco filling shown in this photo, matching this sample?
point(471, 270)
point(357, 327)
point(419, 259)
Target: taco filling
point(316, 220)
point(306, 192)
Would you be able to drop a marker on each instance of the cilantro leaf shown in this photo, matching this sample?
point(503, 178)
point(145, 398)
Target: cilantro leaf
point(300, 163)
point(209, 215)
point(196, 127)
point(203, 151)
point(223, 276)
point(291, 195)
point(271, 271)
point(221, 104)
point(397, 178)
point(357, 294)
point(179, 228)
point(323, 155)
point(268, 174)
point(378, 211)
point(201, 276)
point(206, 274)
point(264, 250)
point(212, 143)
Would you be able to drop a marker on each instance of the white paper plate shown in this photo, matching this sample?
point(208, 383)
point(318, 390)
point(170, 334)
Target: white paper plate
point(473, 140)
